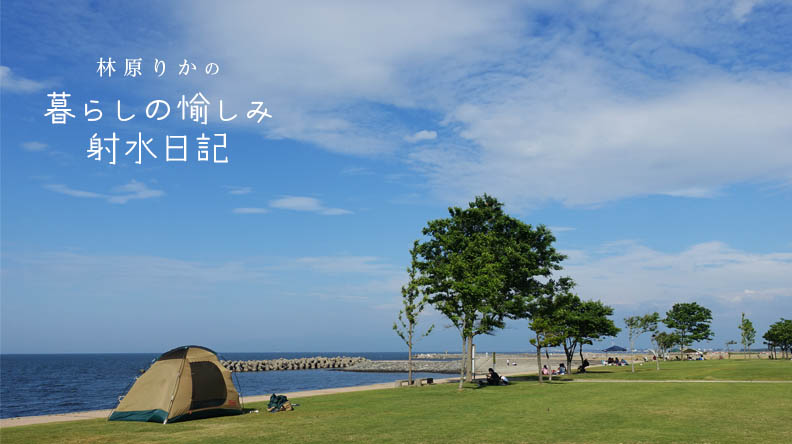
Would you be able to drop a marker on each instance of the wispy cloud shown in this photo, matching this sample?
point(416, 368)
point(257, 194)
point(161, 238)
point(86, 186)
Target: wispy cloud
point(34, 146)
point(120, 194)
point(251, 210)
point(356, 171)
point(420, 136)
point(11, 82)
point(309, 204)
point(631, 274)
point(742, 8)
point(561, 229)
point(133, 190)
point(346, 264)
point(63, 189)
point(617, 98)
point(237, 190)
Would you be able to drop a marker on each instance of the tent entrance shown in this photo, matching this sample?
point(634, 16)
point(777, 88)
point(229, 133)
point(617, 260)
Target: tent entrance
point(208, 385)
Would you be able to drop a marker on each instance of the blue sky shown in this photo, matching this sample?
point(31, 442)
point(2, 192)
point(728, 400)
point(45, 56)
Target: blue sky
point(654, 138)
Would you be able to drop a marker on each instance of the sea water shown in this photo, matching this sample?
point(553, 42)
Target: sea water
point(62, 383)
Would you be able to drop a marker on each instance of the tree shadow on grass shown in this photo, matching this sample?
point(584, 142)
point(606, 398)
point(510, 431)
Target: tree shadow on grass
point(535, 378)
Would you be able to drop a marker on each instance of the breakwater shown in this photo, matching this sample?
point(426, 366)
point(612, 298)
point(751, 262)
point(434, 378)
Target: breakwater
point(345, 363)
point(402, 366)
point(266, 365)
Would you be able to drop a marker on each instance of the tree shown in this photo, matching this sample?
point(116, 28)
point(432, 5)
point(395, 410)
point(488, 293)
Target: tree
point(638, 325)
point(728, 343)
point(548, 334)
point(663, 342)
point(480, 266)
point(581, 322)
point(747, 333)
point(690, 322)
point(780, 335)
point(544, 313)
point(413, 306)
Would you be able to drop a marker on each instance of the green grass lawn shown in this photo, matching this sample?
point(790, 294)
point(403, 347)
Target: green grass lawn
point(741, 370)
point(560, 412)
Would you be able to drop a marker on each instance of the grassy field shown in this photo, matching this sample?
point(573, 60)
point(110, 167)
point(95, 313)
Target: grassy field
point(560, 412)
point(733, 370)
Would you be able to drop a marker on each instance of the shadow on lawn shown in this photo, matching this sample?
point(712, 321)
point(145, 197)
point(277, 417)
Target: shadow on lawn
point(517, 380)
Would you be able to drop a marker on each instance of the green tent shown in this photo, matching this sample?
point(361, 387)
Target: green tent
point(184, 383)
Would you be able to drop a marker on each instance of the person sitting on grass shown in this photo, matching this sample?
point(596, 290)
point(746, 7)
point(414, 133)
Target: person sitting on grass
point(623, 362)
point(562, 369)
point(545, 370)
point(582, 366)
point(493, 378)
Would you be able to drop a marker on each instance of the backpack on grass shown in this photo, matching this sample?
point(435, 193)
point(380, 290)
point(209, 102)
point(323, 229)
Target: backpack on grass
point(279, 403)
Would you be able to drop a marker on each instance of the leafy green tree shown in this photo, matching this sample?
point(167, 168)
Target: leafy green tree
point(581, 322)
point(690, 322)
point(638, 325)
point(663, 342)
point(780, 335)
point(480, 266)
point(544, 321)
point(747, 333)
point(414, 303)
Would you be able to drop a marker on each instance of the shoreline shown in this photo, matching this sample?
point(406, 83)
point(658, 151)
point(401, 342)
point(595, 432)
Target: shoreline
point(524, 366)
point(98, 414)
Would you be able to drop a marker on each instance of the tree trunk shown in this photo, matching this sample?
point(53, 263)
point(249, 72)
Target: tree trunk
point(581, 357)
point(632, 358)
point(462, 362)
point(657, 362)
point(569, 354)
point(538, 359)
point(469, 375)
point(409, 361)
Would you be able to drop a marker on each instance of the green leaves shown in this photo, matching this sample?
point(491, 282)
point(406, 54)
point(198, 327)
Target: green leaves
point(690, 322)
point(747, 332)
point(780, 335)
point(413, 300)
point(481, 266)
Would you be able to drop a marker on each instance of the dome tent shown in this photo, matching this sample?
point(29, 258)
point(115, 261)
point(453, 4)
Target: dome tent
point(187, 382)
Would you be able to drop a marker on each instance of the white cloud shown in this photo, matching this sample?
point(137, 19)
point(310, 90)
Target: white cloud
point(331, 68)
point(742, 8)
point(237, 190)
point(545, 117)
point(345, 264)
point(14, 83)
point(688, 142)
point(63, 189)
point(121, 194)
point(34, 146)
point(633, 275)
point(309, 204)
point(250, 210)
point(356, 171)
point(561, 229)
point(133, 190)
point(421, 136)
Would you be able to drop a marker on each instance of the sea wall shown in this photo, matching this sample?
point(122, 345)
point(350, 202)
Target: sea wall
point(318, 362)
point(402, 366)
